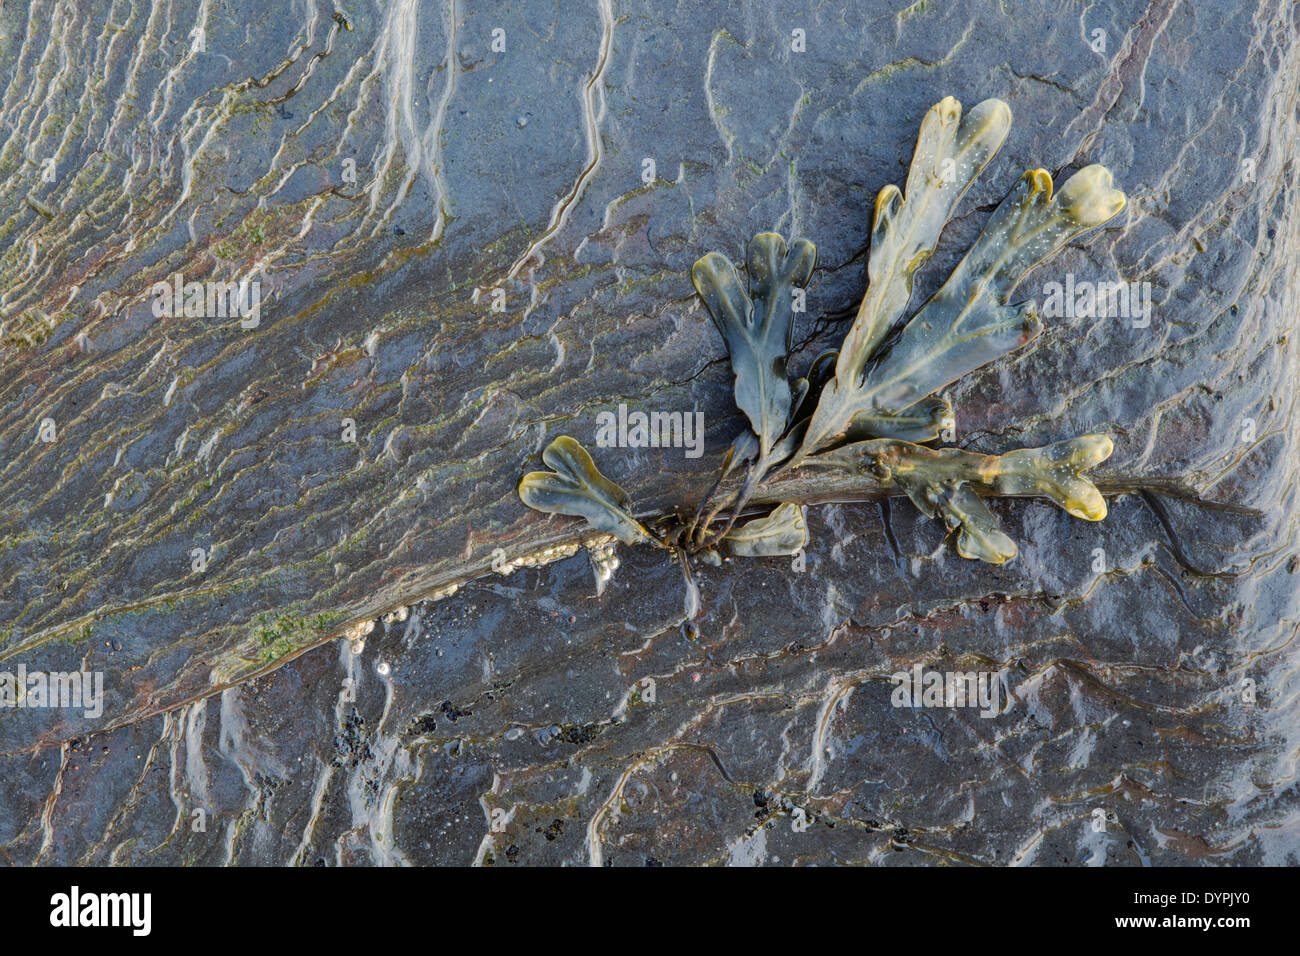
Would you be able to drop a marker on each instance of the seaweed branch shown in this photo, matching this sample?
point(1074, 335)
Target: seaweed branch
point(576, 487)
point(868, 409)
point(756, 328)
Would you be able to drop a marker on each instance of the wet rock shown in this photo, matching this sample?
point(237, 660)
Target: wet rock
point(467, 288)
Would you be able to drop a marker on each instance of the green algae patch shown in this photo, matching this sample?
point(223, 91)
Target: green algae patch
point(281, 633)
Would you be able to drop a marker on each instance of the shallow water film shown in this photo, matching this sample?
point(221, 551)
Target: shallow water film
point(293, 295)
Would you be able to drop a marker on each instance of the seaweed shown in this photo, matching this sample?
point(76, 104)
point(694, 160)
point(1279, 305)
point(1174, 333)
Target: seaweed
point(577, 488)
point(872, 406)
point(967, 323)
point(784, 531)
point(757, 326)
point(947, 482)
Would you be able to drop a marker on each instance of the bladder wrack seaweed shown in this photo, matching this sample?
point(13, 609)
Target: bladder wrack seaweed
point(870, 407)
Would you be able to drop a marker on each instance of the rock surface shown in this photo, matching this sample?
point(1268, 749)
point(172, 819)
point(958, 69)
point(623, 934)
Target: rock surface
point(580, 171)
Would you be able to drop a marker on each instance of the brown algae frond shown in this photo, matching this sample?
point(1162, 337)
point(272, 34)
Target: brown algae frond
point(870, 407)
point(757, 326)
point(576, 487)
point(784, 531)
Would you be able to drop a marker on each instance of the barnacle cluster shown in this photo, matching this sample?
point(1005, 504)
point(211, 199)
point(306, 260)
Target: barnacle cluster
point(873, 407)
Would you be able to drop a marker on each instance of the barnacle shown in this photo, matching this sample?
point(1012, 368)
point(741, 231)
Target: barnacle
point(604, 562)
point(869, 406)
